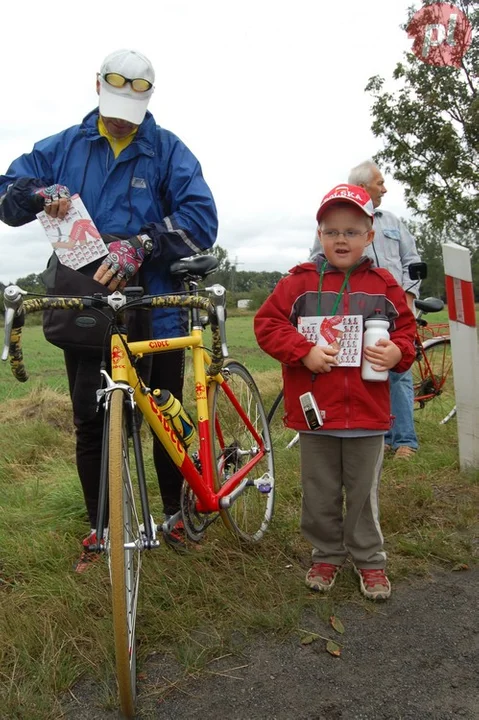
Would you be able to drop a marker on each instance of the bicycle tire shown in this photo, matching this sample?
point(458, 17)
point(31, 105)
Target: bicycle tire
point(233, 445)
point(274, 409)
point(283, 438)
point(437, 391)
point(124, 562)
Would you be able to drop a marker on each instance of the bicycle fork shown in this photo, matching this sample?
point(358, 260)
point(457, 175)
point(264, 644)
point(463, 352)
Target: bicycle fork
point(148, 529)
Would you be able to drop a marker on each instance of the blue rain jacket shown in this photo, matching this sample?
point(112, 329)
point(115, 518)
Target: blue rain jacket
point(155, 185)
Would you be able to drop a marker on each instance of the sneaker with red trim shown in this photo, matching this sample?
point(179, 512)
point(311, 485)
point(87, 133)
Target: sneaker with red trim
point(87, 557)
point(321, 576)
point(176, 538)
point(374, 583)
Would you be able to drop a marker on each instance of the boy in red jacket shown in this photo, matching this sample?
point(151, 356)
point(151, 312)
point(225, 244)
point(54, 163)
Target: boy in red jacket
point(347, 450)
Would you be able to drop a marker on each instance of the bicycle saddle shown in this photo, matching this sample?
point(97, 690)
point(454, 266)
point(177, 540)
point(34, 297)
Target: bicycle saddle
point(430, 304)
point(195, 267)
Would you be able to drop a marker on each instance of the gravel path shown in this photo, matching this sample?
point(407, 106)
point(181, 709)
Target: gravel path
point(415, 657)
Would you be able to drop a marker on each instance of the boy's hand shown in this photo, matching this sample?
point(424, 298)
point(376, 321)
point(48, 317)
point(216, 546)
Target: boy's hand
point(320, 359)
point(384, 355)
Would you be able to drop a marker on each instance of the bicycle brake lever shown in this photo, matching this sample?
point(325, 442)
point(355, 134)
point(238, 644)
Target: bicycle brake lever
point(218, 297)
point(12, 299)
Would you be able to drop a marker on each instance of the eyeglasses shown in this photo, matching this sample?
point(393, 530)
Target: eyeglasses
point(118, 81)
point(348, 234)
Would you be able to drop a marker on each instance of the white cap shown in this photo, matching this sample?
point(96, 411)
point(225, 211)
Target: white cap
point(124, 103)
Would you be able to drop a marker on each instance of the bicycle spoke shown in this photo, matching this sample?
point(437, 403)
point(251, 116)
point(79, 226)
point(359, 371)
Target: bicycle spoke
point(433, 382)
point(235, 444)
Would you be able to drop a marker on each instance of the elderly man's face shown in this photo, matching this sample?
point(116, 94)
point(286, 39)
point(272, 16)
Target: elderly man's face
point(376, 188)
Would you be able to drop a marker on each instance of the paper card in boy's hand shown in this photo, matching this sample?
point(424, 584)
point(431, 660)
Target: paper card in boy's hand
point(344, 332)
point(75, 239)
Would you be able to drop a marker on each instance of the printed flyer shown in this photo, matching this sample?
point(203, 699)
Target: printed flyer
point(75, 239)
point(344, 332)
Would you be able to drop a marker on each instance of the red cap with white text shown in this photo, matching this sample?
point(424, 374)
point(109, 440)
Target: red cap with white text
point(350, 194)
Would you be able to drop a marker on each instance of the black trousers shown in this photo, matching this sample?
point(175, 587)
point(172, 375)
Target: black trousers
point(83, 373)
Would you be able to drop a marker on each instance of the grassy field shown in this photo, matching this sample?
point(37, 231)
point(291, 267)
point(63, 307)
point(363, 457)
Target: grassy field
point(55, 626)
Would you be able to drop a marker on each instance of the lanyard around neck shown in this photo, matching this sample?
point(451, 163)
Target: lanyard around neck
point(341, 291)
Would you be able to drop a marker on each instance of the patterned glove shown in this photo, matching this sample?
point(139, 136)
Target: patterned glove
point(52, 193)
point(123, 259)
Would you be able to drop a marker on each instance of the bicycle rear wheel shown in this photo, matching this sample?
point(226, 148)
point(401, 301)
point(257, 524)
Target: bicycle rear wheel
point(234, 445)
point(125, 562)
point(433, 381)
point(282, 436)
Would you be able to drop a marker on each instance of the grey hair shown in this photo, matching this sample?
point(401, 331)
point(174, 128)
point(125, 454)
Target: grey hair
point(363, 173)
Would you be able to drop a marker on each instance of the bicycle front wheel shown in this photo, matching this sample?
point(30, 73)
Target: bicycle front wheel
point(433, 381)
point(123, 548)
point(234, 445)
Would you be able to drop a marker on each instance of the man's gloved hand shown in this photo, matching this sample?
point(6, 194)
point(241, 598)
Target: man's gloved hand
point(54, 199)
point(124, 259)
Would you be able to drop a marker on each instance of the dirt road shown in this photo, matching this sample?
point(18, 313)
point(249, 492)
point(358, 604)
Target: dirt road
point(415, 657)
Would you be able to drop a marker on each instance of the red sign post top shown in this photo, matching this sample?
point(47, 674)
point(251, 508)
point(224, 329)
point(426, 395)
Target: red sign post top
point(460, 301)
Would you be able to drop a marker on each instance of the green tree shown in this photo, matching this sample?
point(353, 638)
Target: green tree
point(33, 283)
point(429, 125)
point(258, 296)
point(429, 244)
point(221, 254)
point(429, 248)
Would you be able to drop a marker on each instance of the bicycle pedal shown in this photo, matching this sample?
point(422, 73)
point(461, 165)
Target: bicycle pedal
point(265, 488)
point(264, 484)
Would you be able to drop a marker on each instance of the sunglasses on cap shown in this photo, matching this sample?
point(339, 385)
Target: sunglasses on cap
point(118, 81)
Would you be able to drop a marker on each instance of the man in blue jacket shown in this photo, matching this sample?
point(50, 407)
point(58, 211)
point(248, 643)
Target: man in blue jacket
point(137, 181)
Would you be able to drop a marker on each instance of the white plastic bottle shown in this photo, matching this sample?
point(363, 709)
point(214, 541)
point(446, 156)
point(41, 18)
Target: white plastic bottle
point(377, 327)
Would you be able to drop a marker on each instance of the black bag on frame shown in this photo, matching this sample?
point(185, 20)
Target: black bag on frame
point(84, 329)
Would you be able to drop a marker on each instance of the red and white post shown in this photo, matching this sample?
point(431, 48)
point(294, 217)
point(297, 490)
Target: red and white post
point(464, 348)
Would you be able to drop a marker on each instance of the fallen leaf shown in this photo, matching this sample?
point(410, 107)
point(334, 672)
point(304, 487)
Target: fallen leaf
point(333, 648)
point(460, 566)
point(308, 639)
point(336, 624)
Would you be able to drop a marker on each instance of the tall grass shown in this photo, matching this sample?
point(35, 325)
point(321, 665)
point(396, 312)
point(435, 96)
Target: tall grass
point(55, 626)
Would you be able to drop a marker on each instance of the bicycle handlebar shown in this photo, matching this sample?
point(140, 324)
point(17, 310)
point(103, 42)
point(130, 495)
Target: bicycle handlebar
point(16, 309)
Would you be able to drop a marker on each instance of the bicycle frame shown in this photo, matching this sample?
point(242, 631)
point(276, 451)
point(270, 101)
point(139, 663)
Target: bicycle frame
point(125, 376)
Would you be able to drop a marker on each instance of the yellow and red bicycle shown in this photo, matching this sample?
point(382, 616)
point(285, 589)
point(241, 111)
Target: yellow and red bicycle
point(230, 474)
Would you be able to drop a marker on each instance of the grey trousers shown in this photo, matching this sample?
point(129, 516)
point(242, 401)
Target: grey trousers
point(329, 464)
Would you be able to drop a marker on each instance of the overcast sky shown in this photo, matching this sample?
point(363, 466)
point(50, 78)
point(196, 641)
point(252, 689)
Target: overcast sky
point(269, 95)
